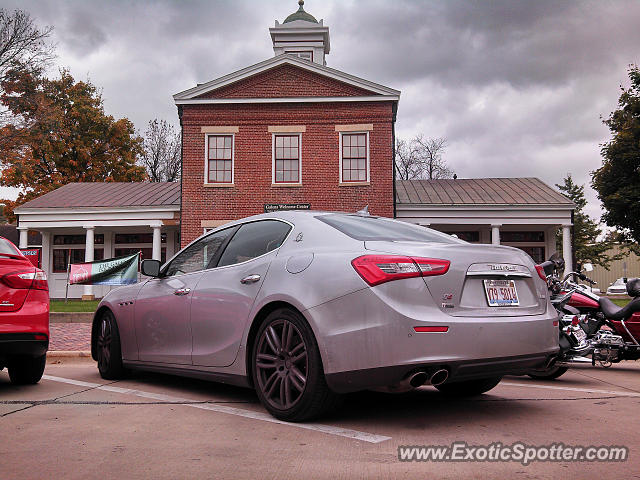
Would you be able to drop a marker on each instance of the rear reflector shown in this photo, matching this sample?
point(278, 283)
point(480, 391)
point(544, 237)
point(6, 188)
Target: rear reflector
point(541, 273)
point(24, 280)
point(377, 269)
point(440, 329)
point(40, 336)
point(556, 323)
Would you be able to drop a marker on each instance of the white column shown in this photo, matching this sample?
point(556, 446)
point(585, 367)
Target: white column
point(495, 234)
point(45, 261)
point(567, 254)
point(88, 257)
point(24, 237)
point(156, 253)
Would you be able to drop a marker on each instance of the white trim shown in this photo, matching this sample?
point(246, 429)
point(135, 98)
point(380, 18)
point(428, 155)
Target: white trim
point(206, 159)
point(204, 101)
point(283, 60)
point(359, 182)
point(273, 159)
point(76, 210)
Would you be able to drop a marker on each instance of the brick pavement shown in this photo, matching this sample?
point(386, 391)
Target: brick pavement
point(70, 336)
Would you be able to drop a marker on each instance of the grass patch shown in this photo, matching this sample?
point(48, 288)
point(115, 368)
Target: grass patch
point(620, 301)
point(73, 306)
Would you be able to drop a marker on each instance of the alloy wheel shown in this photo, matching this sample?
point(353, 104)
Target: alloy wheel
point(281, 364)
point(104, 344)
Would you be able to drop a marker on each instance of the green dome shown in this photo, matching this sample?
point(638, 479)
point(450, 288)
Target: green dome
point(300, 15)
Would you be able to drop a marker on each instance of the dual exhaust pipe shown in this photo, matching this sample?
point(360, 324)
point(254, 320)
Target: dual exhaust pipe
point(422, 377)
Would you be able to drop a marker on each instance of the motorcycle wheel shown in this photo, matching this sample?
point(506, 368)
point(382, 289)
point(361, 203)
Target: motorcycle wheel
point(549, 374)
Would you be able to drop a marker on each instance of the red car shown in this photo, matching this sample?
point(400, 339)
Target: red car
point(24, 316)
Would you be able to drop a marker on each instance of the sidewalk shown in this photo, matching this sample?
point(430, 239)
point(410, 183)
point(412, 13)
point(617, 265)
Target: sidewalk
point(70, 337)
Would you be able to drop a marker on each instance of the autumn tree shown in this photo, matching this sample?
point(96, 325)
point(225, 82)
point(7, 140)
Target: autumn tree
point(24, 47)
point(617, 181)
point(586, 232)
point(161, 155)
point(421, 158)
point(66, 137)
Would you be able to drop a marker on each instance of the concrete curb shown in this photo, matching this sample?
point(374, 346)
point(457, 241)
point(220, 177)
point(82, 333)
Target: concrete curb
point(68, 353)
point(70, 317)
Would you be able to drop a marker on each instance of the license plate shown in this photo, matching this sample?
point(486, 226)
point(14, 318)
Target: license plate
point(501, 293)
point(579, 334)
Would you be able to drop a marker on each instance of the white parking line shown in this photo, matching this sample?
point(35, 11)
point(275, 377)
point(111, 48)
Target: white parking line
point(329, 429)
point(572, 389)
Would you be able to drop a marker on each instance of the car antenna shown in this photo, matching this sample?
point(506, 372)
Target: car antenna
point(364, 212)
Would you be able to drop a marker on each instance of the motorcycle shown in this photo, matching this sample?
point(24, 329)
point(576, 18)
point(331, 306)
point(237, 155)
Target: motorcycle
point(590, 325)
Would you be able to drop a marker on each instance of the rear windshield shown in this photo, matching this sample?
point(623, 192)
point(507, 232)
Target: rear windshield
point(378, 228)
point(7, 247)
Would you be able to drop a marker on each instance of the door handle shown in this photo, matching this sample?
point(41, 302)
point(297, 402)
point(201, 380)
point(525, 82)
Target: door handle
point(250, 279)
point(182, 291)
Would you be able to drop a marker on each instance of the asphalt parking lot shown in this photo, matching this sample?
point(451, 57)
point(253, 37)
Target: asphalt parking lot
point(76, 425)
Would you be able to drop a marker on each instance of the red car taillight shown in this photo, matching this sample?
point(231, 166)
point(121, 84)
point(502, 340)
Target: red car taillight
point(377, 269)
point(36, 279)
point(541, 273)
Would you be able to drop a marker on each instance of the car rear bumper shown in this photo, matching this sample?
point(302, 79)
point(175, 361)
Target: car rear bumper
point(344, 382)
point(22, 344)
point(364, 332)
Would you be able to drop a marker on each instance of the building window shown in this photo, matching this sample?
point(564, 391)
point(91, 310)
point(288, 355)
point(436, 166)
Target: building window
point(98, 239)
point(146, 253)
point(471, 237)
point(286, 156)
point(354, 157)
point(537, 253)
point(518, 237)
point(219, 167)
point(305, 54)
point(61, 257)
point(138, 238)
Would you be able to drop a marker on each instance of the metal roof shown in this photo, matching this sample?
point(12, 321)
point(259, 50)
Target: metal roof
point(109, 195)
point(479, 191)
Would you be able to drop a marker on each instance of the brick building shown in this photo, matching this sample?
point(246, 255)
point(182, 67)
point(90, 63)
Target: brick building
point(288, 132)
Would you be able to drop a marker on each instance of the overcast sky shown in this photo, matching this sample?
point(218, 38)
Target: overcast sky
point(516, 87)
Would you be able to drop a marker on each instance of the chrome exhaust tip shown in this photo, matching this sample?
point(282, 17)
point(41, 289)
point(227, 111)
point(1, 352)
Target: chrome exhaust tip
point(418, 378)
point(439, 377)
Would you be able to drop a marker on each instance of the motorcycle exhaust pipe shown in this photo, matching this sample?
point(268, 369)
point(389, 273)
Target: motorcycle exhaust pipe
point(439, 377)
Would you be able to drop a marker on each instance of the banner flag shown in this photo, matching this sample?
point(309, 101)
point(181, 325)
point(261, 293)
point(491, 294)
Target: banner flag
point(113, 271)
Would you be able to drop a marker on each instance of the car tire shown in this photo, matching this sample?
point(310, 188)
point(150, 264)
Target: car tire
point(287, 369)
point(108, 352)
point(25, 370)
point(469, 388)
point(549, 374)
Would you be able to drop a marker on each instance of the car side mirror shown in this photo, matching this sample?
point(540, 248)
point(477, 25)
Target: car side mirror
point(588, 267)
point(150, 268)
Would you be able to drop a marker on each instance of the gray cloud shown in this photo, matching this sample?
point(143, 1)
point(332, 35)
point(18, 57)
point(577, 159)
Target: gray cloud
point(517, 87)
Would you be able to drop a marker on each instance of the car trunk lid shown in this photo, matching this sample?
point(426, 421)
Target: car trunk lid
point(461, 291)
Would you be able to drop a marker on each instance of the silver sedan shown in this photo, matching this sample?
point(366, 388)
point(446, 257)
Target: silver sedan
point(305, 306)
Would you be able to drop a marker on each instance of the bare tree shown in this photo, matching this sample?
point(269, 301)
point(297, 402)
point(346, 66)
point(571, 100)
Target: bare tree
point(421, 158)
point(162, 152)
point(23, 45)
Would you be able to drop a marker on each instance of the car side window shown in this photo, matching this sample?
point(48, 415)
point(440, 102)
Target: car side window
point(199, 255)
point(254, 239)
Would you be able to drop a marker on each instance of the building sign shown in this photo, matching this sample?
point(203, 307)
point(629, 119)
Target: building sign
point(32, 254)
point(276, 207)
point(114, 271)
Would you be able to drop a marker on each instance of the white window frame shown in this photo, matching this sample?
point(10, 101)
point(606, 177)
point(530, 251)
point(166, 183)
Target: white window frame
point(273, 159)
point(207, 136)
point(351, 182)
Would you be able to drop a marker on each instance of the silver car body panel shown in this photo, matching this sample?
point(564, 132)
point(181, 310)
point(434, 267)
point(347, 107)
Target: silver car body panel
point(357, 327)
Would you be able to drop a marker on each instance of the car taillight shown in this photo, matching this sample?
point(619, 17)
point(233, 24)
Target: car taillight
point(377, 269)
point(541, 273)
point(20, 280)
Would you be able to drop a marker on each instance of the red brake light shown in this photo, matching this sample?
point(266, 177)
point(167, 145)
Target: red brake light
point(541, 273)
point(24, 280)
point(377, 269)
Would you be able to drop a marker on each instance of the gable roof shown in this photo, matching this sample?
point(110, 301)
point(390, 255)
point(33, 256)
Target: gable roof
point(377, 91)
point(108, 195)
point(480, 192)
